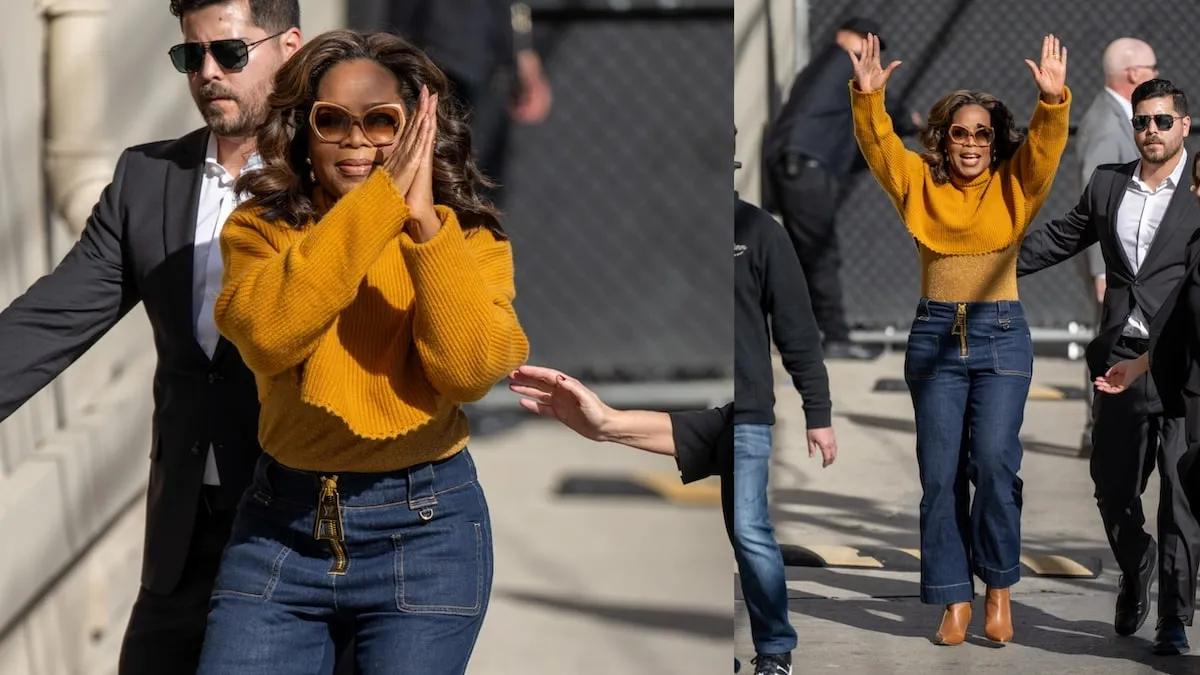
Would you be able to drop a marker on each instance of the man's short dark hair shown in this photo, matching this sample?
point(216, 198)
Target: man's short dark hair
point(1159, 89)
point(273, 16)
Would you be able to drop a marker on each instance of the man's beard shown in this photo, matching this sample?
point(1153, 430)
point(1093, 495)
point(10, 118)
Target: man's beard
point(250, 111)
point(1160, 154)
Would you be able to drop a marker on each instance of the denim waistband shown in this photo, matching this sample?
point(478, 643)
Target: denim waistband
point(1001, 311)
point(417, 485)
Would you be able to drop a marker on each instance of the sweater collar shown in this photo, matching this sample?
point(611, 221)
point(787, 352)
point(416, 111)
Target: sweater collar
point(981, 179)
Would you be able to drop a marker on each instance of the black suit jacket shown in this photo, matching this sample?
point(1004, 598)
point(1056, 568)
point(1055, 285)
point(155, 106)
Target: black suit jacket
point(1094, 220)
point(1172, 364)
point(137, 247)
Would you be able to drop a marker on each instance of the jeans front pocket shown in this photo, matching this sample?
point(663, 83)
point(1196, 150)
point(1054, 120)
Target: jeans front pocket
point(1012, 353)
point(921, 356)
point(440, 568)
point(253, 560)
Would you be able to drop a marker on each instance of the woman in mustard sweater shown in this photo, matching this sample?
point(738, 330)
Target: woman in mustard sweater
point(369, 288)
point(966, 201)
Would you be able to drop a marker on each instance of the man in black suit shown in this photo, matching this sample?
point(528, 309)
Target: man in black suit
point(152, 238)
point(486, 49)
point(1142, 214)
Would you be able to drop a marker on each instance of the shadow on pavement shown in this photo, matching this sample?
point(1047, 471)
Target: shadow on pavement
point(907, 426)
point(902, 615)
point(691, 622)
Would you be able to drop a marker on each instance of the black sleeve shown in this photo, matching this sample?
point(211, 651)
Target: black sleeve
point(793, 325)
point(1061, 238)
point(698, 435)
point(65, 312)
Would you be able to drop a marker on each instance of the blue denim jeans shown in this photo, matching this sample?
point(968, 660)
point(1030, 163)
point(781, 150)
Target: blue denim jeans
point(968, 368)
point(409, 579)
point(760, 564)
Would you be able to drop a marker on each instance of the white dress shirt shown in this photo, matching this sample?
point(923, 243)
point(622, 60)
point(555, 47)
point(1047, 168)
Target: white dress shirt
point(217, 202)
point(1138, 218)
point(1126, 104)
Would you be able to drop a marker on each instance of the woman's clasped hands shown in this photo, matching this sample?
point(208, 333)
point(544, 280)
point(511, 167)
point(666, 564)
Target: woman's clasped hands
point(411, 167)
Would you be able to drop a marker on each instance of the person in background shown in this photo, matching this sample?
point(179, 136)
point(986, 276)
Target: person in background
point(369, 288)
point(1105, 137)
point(1142, 219)
point(810, 160)
point(771, 304)
point(967, 201)
point(152, 239)
point(485, 48)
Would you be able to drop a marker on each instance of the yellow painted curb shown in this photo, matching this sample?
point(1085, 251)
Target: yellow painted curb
point(844, 556)
point(1055, 566)
point(706, 492)
point(1044, 393)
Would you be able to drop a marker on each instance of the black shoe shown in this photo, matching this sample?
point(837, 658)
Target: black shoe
point(772, 664)
point(1170, 638)
point(1133, 600)
point(849, 351)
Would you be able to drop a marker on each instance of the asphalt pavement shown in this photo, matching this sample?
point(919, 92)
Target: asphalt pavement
point(860, 613)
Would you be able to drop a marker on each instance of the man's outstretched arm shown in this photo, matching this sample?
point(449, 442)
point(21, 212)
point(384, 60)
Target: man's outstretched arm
point(65, 312)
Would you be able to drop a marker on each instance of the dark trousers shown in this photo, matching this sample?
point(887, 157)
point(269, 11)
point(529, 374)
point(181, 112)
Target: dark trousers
point(1131, 436)
point(165, 632)
point(487, 106)
point(808, 197)
point(968, 367)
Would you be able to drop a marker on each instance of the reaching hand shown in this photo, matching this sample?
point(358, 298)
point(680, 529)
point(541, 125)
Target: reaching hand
point(552, 394)
point(824, 441)
point(1051, 73)
point(868, 72)
point(1121, 376)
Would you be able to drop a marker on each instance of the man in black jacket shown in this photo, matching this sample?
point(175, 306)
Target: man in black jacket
point(810, 156)
point(486, 49)
point(1142, 215)
point(152, 239)
point(771, 303)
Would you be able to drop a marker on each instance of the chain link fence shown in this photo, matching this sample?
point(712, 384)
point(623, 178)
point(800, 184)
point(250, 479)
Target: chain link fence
point(619, 204)
point(954, 44)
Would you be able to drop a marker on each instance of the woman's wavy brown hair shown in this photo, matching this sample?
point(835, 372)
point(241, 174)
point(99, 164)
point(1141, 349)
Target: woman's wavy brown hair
point(937, 130)
point(283, 188)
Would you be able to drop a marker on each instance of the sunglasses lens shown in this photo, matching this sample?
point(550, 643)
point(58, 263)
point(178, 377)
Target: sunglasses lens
point(187, 57)
point(1140, 122)
point(230, 54)
point(331, 124)
point(958, 134)
point(984, 136)
point(1164, 122)
point(381, 125)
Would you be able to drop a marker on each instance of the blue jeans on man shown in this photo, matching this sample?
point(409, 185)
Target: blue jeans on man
point(759, 561)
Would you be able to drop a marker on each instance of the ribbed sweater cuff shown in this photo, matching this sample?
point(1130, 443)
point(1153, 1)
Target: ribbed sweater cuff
point(818, 418)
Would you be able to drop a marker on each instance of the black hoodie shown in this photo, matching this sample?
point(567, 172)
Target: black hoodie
point(771, 302)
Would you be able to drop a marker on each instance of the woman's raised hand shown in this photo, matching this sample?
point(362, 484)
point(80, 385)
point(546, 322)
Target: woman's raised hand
point(411, 168)
point(868, 72)
point(1051, 73)
point(405, 161)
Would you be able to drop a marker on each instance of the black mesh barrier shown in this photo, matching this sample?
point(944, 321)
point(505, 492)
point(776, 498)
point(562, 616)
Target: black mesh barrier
point(619, 204)
point(973, 44)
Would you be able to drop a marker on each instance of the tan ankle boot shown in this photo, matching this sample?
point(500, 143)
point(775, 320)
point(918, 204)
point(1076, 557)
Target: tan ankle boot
point(954, 624)
point(997, 617)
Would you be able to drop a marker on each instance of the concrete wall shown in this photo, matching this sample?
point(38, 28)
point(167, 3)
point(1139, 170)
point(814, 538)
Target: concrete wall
point(751, 74)
point(73, 461)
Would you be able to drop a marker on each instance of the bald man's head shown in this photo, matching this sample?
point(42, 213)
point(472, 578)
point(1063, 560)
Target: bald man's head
point(1128, 62)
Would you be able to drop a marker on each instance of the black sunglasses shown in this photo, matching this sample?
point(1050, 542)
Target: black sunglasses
point(232, 54)
point(1163, 122)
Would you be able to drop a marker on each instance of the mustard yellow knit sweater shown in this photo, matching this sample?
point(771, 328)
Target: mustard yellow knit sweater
point(968, 235)
point(363, 343)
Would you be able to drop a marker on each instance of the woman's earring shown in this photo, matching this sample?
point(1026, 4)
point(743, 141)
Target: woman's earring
point(312, 175)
